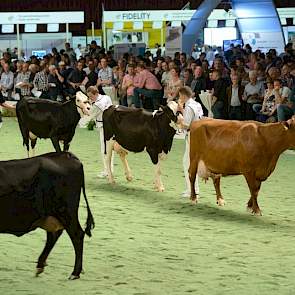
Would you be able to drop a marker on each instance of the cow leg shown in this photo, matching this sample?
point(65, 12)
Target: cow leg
point(122, 153)
point(193, 170)
point(26, 139)
point(33, 144)
point(254, 186)
point(55, 143)
point(108, 161)
point(66, 146)
point(219, 198)
point(76, 234)
point(50, 242)
point(158, 181)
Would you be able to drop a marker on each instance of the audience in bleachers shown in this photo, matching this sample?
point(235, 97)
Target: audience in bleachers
point(244, 84)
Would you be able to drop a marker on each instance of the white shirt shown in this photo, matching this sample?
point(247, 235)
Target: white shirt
point(192, 112)
point(235, 101)
point(102, 103)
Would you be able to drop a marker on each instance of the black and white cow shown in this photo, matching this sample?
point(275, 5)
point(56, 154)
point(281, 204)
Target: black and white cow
point(135, 130)
point(42, 118)
point(44, 192)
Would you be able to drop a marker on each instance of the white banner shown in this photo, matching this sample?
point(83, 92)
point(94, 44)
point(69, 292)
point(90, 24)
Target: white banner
point(147, 15)
point(42, 17)
point(173, 41)
point(264, 41)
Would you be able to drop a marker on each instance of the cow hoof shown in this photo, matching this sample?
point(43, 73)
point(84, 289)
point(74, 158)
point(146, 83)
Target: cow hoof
point(112, 181)
point(194, 201)
point(73, 277)
point(160, 189)
point(39, 270)
point(220, 202)
point(257, 213)
point(129, 178)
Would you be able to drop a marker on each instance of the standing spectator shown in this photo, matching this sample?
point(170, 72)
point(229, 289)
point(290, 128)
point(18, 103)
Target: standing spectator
point(219, 102)
point(41, 81)
point(78, 52)
point(201, 58)
point(234, 94)
point(94, 49)
point(55, 80)
point(198, 84)
point(70, 52)
point(6, 81)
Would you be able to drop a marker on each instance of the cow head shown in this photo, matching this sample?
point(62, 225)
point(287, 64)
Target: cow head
point(290, 131)
point(173, 114)
point(82, 103)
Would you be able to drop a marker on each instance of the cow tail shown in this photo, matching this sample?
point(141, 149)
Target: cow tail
point(90, 221)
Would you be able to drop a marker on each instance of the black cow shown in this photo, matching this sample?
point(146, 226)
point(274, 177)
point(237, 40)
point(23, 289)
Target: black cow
point(135, 130)
point(44, 192)
point(50, 119)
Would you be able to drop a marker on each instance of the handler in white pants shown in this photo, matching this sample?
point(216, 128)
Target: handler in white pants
point(192, 111)
point(100, 103)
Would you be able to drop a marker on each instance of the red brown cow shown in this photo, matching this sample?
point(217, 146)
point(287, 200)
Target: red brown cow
point(222, 148)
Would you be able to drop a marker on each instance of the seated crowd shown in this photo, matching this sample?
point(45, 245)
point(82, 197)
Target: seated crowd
point(242, 84)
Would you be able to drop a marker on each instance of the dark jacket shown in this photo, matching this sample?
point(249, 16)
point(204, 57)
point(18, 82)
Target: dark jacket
point(240, 94)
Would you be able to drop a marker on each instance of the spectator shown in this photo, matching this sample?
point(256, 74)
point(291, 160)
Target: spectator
point(70, 52)
point(286, 77)
point(41, 81)
point(253, 94)
point(148, 85)
point(128, 86)
point(55, 81)
point(105, 74)
point(187, 77)
point(78, 53)
point(6, 81)
point(268, 108)
point(174, 84)
point(234, 94)
point(91, 74)
point(76, 79)
point(198, 84)
point(287, 110)
point(219, 101)
point(23, 81)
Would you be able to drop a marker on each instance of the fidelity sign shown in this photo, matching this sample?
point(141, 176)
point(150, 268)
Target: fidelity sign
point(136, 16)
point(147, 15)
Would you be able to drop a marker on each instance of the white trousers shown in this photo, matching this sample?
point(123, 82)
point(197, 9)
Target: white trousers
point(102, 149)
point(186, 163)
